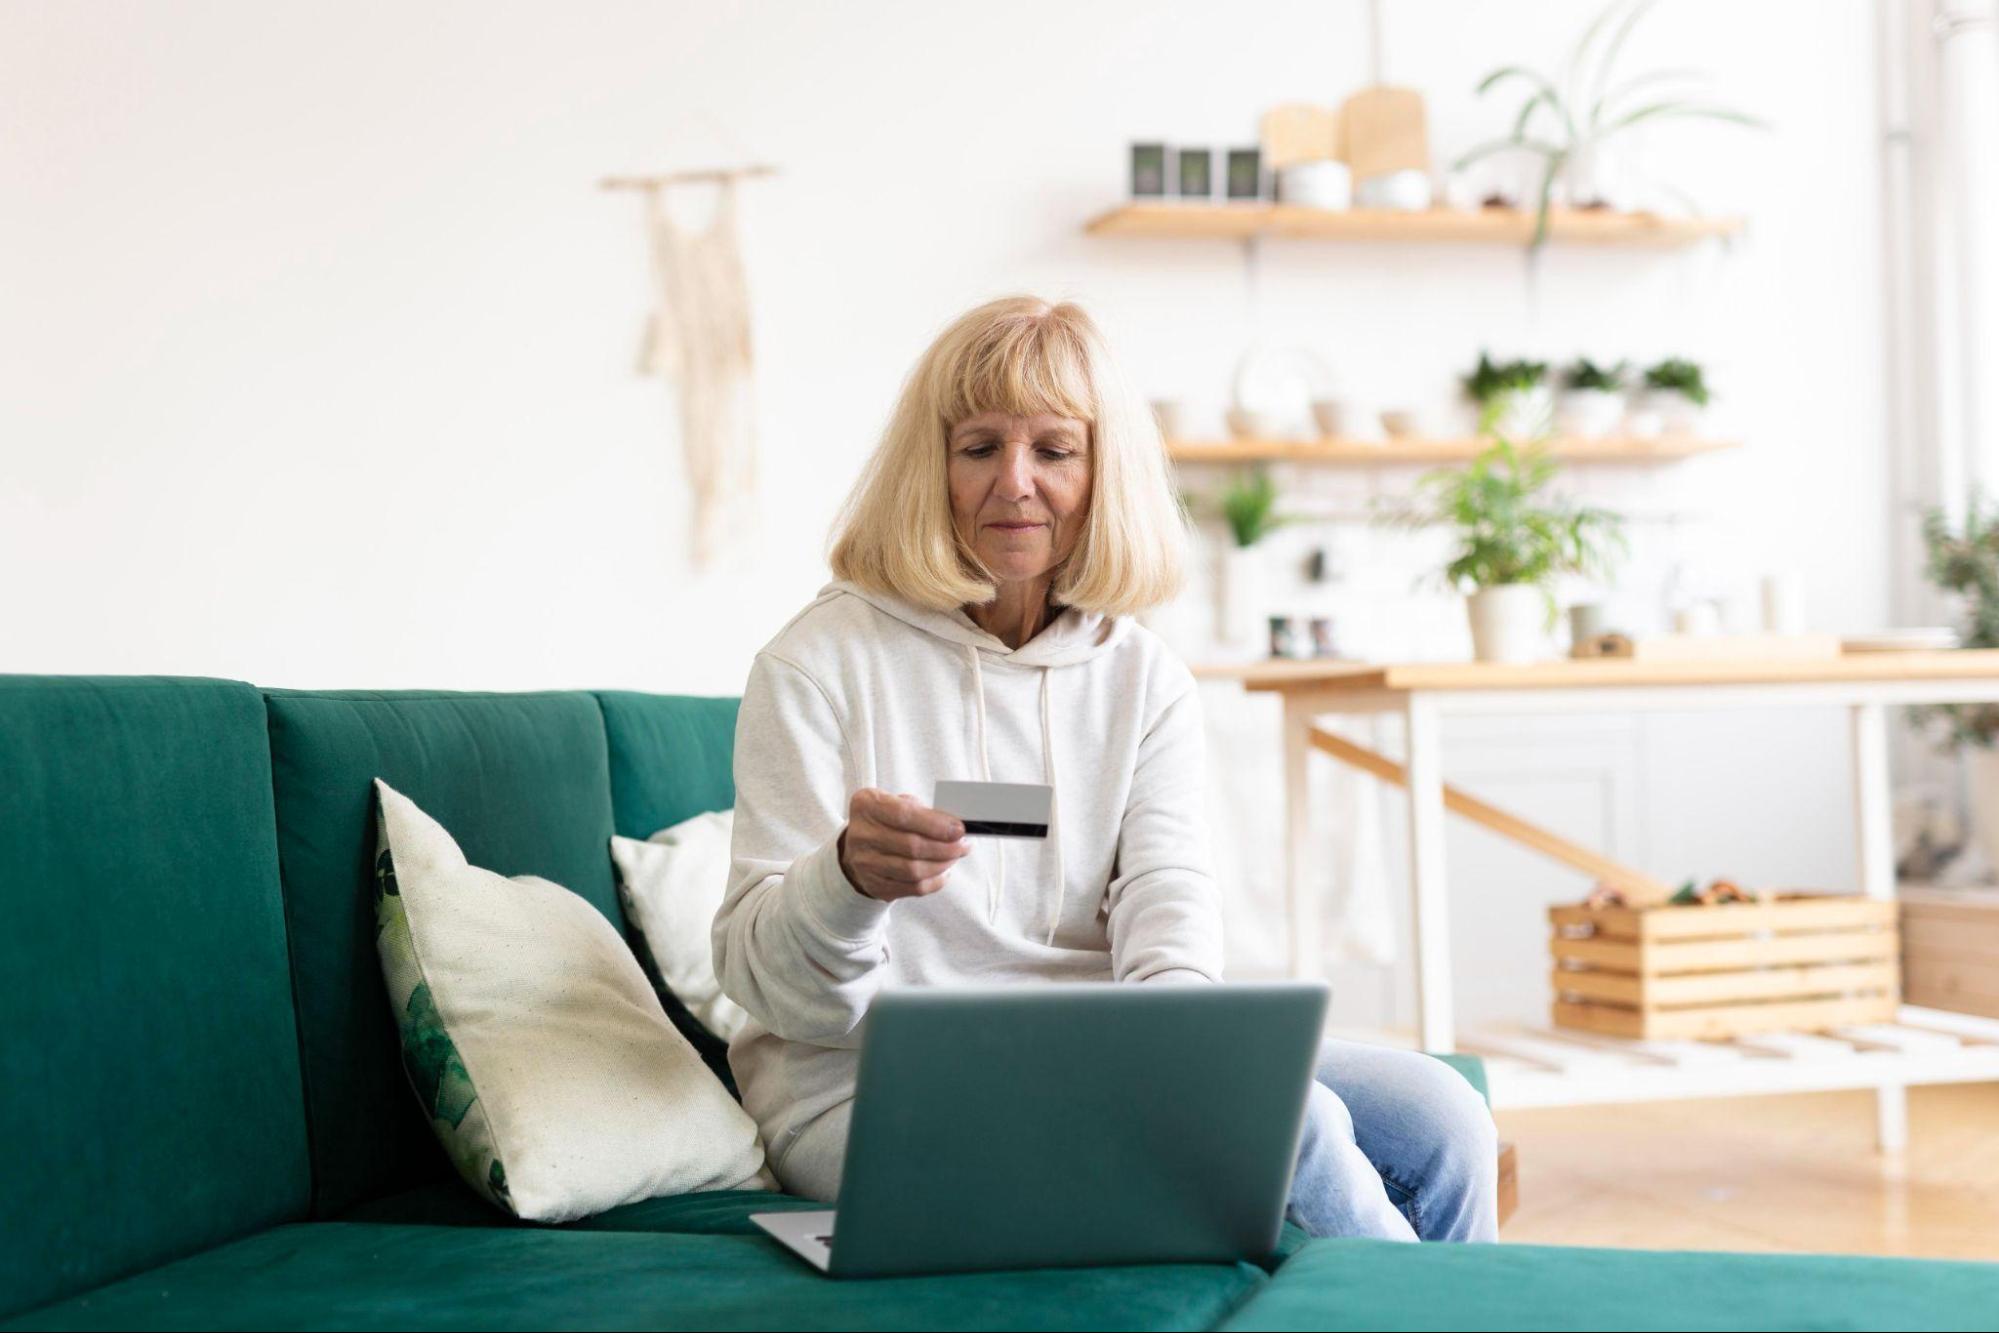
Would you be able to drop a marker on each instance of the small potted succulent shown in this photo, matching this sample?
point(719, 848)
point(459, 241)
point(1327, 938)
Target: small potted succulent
point(1248, 505)
point(1512, 397)
point(1592, 399)
point(1674, 398)
point(1514, 542)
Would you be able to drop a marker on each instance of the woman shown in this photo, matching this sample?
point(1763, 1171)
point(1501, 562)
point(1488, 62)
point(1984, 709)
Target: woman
point(987, 565)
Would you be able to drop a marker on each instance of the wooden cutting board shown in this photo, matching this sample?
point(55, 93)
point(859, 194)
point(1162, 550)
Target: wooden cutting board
point(1299, 132)
point(1385, 129)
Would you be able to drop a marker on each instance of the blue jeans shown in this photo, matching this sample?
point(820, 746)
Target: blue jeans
point(1397, 1146)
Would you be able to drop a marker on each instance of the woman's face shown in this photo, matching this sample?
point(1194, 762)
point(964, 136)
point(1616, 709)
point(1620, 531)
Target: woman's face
point(1020, 487)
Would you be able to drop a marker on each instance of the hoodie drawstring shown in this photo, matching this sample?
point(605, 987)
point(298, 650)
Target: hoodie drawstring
point(1054, 806)
point(997, 886)
point(994, 886)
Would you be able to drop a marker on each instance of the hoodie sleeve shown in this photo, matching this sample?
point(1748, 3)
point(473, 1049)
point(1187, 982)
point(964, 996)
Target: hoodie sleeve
point(1165, 917)
point(795, 944)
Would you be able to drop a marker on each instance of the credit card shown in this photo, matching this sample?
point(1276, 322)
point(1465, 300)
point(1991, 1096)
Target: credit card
point(998, 809)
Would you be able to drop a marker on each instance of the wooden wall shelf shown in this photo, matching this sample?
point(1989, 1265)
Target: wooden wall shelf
point(1392, 452)
point(1508, 226)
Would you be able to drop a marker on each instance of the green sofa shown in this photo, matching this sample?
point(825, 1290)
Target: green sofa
point(203, 1120)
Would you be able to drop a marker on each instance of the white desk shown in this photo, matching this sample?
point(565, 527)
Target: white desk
point(1552, 1067)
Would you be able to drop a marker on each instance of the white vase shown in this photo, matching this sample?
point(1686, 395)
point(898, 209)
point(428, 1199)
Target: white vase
point(1506, 622)
point(1984, 764)
point(1591, 414)
point(1239, 595)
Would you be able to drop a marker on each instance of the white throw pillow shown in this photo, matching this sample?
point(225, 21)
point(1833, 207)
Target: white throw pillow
point(533, 1040)
point(672, 885)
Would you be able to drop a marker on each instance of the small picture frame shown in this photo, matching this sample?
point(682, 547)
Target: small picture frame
point(1194, 173)
point(1245, 175)
point(1148, 171)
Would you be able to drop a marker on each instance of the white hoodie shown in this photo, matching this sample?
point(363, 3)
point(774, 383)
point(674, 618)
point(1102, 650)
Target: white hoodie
point(866, 690)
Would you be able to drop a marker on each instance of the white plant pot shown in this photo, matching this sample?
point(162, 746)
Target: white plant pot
point(1506, 622)
point(1522, 414)
point(1676, 413)
point(1591, 414)
point(1641, 424)
point(1239, 595)
point(1984, 764)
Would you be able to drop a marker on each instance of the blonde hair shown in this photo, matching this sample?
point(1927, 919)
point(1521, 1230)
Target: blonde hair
point(1020, 356)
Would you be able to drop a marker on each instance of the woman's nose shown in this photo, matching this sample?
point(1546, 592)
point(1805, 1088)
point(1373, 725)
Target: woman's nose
point(1017, 475)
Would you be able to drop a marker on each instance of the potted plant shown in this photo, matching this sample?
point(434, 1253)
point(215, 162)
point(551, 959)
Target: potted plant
point(1567, 121)
point(1514, 540)
point(1676, 395)
point(1592, 398)
point(1513, 397)
point(1248, 505)
point(1966, 563)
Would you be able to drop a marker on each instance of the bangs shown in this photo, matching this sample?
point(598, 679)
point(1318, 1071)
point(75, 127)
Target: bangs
point(1023, 367)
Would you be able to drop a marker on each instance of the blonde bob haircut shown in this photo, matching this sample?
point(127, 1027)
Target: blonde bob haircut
point(1020, 356)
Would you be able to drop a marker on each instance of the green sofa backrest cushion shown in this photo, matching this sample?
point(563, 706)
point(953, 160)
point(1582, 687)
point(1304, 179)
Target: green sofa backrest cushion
point(149, 1078)
point(672, 757)
point(520, 780)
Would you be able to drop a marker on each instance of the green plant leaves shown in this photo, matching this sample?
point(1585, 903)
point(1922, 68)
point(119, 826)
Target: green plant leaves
point(1583, 373)
point(1508, 530)
point(1583, 116)
point(1489, 379)
point(1965, 561)
point(1249, 504)
point(1677, 375)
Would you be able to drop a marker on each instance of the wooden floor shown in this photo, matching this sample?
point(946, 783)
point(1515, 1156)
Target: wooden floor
point(1796, 1172)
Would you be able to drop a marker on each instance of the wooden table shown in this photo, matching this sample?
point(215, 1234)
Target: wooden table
point(1424, 693)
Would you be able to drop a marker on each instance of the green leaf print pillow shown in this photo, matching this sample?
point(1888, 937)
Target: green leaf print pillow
point(534, 1042)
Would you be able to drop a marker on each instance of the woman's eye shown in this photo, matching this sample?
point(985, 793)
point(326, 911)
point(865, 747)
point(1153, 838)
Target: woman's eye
point(1049, 452)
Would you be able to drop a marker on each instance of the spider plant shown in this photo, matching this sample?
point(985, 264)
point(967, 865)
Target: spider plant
point(1566, 121)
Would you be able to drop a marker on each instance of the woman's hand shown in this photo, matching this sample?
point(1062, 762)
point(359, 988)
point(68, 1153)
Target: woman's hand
point(897, 847)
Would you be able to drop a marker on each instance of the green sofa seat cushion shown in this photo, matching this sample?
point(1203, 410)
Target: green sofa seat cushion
point(1472, 1068)
point(519, 780)
point(710, 1212)
point(366, 1276)
point(451, 1204)
point(1383, 1284)
point(149, 1076)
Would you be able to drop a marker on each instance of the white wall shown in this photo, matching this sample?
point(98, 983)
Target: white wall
point(316, 337)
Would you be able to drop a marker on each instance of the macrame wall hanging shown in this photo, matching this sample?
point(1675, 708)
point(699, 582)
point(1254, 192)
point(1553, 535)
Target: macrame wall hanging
point(697, 338)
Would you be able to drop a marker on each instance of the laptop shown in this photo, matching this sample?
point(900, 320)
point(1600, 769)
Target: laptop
point(1068, 1124)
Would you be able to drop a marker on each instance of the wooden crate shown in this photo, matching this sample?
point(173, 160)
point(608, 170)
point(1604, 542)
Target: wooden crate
point(1793, 963)
point(1950, 949)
